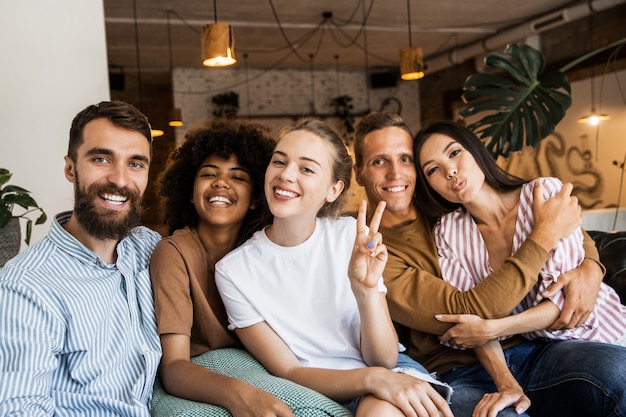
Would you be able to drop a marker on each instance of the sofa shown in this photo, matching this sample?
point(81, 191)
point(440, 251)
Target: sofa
point(240, 364)
point(612, 249)
point(308, 403)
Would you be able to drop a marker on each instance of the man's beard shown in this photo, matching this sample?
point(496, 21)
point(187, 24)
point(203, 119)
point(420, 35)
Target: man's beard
point(103, 223)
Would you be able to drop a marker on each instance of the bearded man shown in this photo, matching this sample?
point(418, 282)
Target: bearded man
point(77, 327)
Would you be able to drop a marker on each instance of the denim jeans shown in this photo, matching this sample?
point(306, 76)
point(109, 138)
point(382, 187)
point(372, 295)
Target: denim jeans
point(566, 378)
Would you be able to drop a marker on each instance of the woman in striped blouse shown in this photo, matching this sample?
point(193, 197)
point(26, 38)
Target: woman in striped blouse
point(485, 214)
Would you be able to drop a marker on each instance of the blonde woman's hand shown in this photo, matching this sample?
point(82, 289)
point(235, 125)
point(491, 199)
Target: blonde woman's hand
point(369, 255)
point(413, 396)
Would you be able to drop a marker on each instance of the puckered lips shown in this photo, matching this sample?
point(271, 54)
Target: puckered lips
point(220, 200)
point(282, 193)
point(459, 184)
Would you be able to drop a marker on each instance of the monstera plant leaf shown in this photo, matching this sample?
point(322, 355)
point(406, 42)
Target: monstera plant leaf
point(517, 103)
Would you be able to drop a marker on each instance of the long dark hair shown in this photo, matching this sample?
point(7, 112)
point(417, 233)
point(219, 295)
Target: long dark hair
point(253, 148)
point(428, 200)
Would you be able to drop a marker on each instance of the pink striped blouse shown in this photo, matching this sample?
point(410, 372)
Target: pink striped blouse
point(464, 263)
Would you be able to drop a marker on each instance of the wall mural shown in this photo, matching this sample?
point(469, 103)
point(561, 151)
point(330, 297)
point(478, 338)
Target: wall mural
point(570, 164)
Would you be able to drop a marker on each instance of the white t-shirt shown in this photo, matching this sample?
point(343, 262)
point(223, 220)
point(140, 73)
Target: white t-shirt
point(303, 292)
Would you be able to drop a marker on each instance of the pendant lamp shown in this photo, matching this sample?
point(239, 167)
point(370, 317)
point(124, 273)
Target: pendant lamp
point(155, 133)
point(411, 58)
point(218, 43)
point(593, 117)
point(176, 116)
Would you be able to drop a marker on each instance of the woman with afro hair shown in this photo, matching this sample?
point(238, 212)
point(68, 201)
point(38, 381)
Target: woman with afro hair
point(213, 196)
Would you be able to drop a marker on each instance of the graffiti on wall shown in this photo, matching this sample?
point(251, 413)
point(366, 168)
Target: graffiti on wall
point(573, 164)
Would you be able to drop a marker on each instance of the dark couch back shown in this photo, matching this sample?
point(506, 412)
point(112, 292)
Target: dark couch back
point(612, 248)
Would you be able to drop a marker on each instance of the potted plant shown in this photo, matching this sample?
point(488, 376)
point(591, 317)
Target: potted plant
point(343, 107)
point(12, 197)
point(226, 104)
point(521, 104)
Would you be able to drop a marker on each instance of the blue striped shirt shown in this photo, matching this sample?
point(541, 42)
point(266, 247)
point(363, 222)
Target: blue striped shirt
point(78, 336)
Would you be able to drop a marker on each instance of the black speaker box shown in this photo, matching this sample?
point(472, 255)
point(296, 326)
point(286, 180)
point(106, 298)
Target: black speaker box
point(384, 79)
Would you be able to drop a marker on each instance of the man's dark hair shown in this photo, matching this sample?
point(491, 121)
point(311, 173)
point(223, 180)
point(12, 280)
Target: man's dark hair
point(119, 113)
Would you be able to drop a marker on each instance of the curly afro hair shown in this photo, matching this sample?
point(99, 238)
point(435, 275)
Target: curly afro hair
point(252, 146)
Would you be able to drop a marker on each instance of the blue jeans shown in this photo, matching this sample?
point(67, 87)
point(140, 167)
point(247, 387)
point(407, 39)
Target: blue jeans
point(567, 378)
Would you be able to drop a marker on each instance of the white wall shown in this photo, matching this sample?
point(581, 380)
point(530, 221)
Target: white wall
point(54, 63)
point(284, 92)
point(606, 220)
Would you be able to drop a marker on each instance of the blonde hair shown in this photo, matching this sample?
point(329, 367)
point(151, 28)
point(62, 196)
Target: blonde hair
point(342, 161)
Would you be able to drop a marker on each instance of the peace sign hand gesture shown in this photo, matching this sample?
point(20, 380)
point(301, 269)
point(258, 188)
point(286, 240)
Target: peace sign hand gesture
point(369, 255)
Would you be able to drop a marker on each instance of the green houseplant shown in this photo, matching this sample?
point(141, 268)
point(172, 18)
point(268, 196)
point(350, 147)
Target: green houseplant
point(518, 103)
point(12, 197)
point(226, 104)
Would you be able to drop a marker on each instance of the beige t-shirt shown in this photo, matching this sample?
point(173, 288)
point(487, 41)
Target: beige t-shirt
point(186, 298)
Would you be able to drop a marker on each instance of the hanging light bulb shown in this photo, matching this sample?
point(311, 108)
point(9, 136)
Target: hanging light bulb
point(411, 58)
point(176, 116)
point(156, 133)
point(411, 63)
point(218, 43)
point(593, 117)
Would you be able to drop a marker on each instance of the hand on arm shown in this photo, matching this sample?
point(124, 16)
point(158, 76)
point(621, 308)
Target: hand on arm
point(581, 287)
point(185, 379)
point(379, 342)
point(510, 393)
point(471, 331)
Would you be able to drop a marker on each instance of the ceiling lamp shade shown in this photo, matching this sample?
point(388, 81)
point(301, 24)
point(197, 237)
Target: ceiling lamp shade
point(156, 133)
point(176, 117)
point(411, 63)
point(218, 45)
point(593, 118)
point(411, 58)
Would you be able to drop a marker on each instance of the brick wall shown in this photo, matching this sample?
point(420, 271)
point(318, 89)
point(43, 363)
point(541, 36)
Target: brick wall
point(277, 96)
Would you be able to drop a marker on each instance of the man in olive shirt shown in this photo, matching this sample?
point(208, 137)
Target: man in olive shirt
point(570, 378)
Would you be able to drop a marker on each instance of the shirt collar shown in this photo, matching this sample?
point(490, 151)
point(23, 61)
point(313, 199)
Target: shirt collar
point(69, 244)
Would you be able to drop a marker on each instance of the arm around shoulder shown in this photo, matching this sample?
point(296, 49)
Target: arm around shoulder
point(416, 292)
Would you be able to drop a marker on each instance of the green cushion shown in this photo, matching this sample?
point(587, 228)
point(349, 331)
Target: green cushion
point(240, 364)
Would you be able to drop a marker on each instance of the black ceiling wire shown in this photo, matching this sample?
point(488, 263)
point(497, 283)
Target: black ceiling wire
point(137, 55)
point(282, 31)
